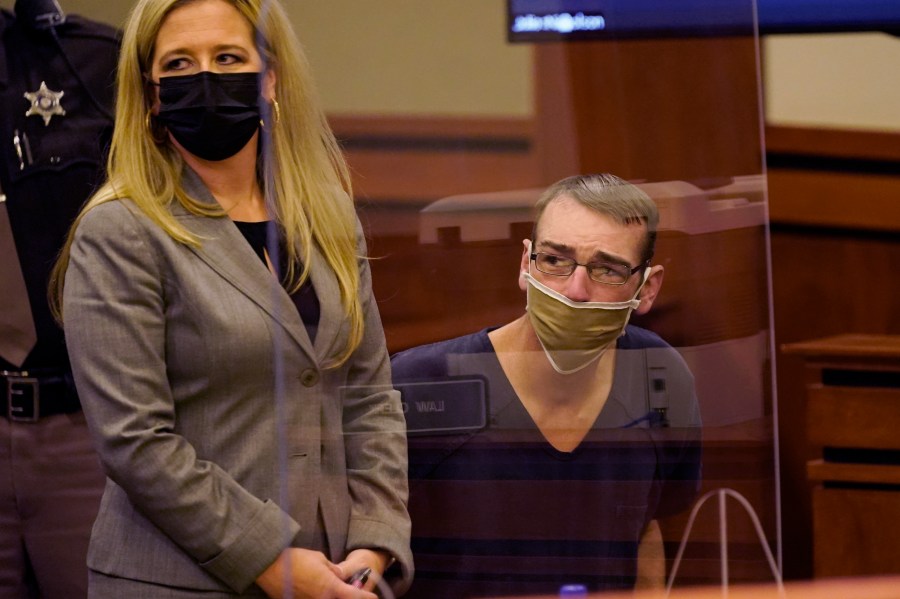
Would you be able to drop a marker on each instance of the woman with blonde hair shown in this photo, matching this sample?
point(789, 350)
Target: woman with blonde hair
point(219, 317)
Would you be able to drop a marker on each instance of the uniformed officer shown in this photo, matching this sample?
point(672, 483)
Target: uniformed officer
point(56, 89)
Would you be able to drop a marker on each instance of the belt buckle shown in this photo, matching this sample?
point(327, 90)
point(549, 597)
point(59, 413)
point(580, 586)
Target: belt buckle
point(23, 398)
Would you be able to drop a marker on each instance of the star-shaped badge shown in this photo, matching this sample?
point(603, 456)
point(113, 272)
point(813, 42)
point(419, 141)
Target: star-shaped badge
point(45, 103)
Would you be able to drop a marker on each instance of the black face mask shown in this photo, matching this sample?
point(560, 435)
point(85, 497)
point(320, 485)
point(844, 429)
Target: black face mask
point(212, 115)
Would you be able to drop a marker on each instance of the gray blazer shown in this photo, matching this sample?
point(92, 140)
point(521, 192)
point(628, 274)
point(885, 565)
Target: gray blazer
point(220, 429)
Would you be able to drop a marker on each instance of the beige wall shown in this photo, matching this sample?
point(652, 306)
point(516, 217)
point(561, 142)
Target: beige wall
point(415, 56)
point(840, 80)
point(450, 58)
point(398, 56)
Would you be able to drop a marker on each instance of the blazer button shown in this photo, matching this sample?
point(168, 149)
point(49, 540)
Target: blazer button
point(309, 377)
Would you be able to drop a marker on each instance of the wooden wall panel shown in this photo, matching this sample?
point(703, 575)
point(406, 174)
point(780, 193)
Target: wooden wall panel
point(835, 143)
point(857, 200)
point(678, 109)
point(417, 160)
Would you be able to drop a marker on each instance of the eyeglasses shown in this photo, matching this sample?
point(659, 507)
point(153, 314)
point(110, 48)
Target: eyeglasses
point(608, 273)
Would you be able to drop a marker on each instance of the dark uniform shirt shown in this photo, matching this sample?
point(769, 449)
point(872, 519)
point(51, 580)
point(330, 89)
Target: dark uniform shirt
point(497, 511)
point(47, 171)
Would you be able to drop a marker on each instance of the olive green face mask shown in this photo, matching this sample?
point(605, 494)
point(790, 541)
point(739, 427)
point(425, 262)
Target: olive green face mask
point(575, 334)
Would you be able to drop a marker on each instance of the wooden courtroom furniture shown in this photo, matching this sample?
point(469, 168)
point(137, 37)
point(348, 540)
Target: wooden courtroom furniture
point(853, 417)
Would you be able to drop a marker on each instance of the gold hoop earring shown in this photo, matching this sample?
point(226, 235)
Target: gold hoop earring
point(157, 136)
point(274, 112)
point(277, 110)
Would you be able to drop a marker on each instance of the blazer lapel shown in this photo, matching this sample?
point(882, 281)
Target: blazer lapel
point(331, 320)
point(226, 251)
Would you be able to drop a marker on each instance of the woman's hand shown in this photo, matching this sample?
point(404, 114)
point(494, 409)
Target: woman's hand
point(358, 559)
point(308, 575)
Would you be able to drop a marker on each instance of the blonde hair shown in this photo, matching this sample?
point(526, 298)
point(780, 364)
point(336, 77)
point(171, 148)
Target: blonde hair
point(301, 168)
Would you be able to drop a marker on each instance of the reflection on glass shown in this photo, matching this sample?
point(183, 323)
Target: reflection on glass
point(513, 489)
point(540, 456)
point(592, 425)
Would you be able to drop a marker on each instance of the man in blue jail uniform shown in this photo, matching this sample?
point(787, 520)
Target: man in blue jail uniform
point(543, 452)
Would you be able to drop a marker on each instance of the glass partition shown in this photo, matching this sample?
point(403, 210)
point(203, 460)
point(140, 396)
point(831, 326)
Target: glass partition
point(458, 137)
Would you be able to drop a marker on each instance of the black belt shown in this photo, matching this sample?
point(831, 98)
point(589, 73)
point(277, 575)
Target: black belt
point(34, 394)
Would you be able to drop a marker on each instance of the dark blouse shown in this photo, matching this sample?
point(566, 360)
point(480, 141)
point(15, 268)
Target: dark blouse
point(305, 298)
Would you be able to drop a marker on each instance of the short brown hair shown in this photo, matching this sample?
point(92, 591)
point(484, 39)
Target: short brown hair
point(607, 194)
